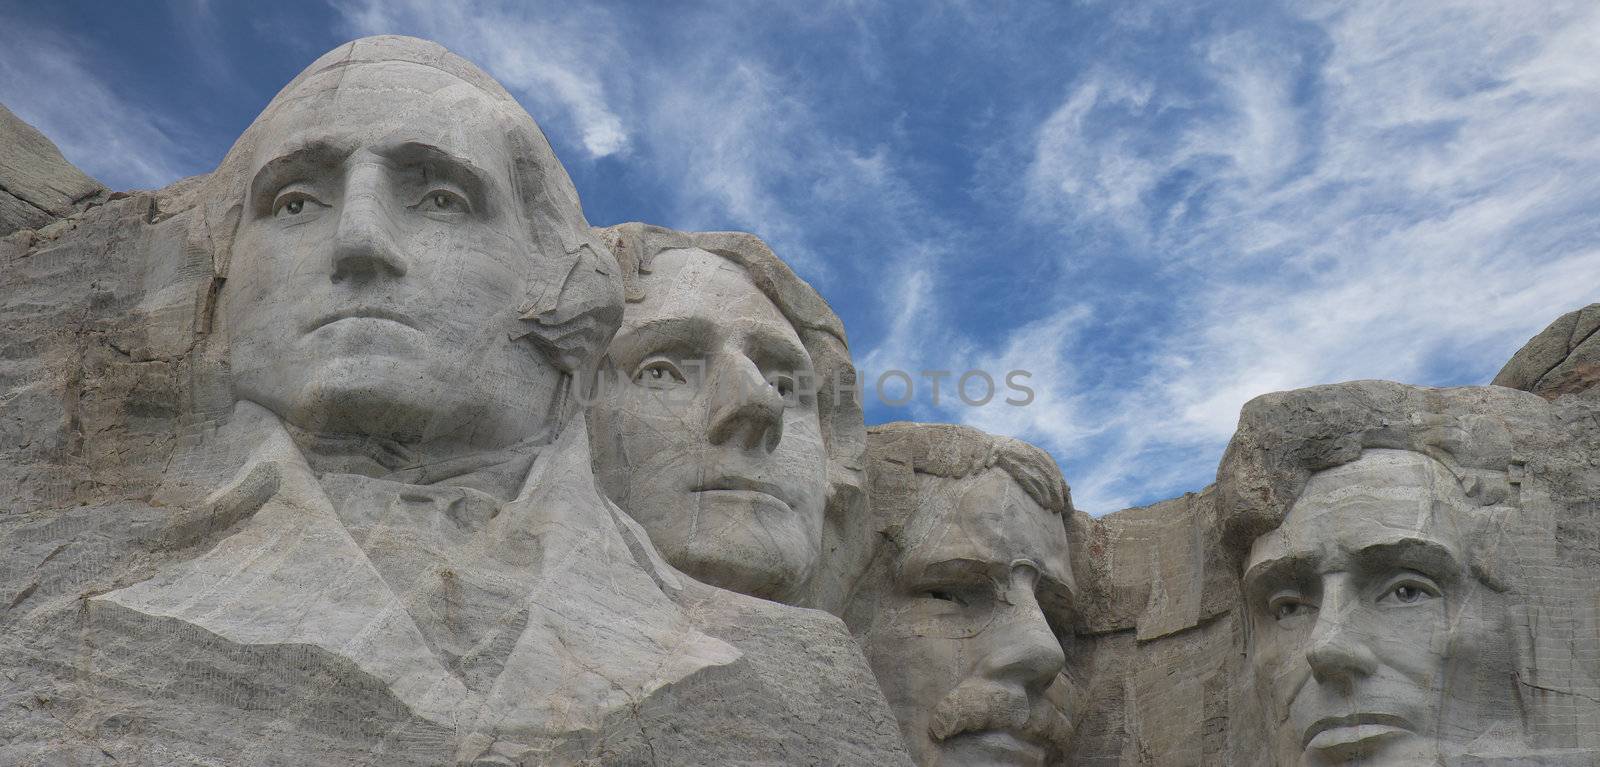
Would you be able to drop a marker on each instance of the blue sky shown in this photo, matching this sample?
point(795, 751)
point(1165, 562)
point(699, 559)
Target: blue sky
point(1160, 209)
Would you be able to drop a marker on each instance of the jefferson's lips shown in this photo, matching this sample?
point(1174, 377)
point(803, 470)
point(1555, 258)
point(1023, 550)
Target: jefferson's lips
point(375, 313)
point(1353, 728)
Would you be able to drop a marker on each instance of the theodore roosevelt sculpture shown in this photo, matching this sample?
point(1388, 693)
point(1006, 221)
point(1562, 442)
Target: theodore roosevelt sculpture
point(729, 430)
point(966, 603)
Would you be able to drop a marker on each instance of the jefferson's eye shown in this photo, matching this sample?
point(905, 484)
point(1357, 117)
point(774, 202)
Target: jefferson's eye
point(943, 595)
point(293, 204)
point(783, 384)
point(658, 373)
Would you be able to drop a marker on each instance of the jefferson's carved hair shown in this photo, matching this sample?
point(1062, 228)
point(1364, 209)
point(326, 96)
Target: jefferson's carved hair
point(636, 245)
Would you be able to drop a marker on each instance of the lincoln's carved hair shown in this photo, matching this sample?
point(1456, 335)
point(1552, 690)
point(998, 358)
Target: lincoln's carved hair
point(1285, 437)
point(574, 302)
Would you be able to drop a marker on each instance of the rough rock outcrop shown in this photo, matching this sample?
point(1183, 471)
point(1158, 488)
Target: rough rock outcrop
point(37, 184)
point(1562, 359)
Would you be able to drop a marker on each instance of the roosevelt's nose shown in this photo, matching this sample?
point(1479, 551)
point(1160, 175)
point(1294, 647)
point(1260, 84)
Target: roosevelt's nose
point(364, 245)
point(745, 408)
point(1024, 650)
point(1339, 652)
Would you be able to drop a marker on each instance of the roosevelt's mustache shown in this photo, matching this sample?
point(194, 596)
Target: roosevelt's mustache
point(976, 706)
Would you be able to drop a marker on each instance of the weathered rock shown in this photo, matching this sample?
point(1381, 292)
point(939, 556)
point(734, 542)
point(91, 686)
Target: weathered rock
point(283, 498)
point(1563, 359)
point(37, 184)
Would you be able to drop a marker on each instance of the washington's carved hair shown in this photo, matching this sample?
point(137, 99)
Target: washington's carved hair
point(573, 304)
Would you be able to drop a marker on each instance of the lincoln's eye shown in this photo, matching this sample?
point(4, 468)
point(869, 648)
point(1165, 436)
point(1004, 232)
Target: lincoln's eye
point(293, 207)
point(442, 201)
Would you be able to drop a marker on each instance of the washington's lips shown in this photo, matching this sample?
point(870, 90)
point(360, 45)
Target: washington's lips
point(744, 485)
point(375, 313)
point(1353, 728)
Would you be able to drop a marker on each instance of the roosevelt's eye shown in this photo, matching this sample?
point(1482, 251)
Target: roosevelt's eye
point(943, 595)
point(294, 203)
point(442, 201)
point(1286, 606)
point(1409, 590)
point(783, 384)
point(658, 373)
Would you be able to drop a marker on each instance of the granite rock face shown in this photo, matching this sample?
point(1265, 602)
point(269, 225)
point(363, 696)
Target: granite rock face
point(366, 449)
point(298, 473)
point(1563, 359)
point(37, 185)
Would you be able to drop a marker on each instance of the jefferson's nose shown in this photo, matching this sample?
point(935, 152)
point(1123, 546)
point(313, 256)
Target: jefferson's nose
point(1338, 654)
point(745, 408)
point(364, 246)
point(1025, 650)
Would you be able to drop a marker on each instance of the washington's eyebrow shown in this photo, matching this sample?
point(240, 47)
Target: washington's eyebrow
point(314, 154)
point(436, 161)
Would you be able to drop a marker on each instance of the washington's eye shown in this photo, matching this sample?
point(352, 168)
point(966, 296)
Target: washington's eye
point(658, 373)
point(442, 201)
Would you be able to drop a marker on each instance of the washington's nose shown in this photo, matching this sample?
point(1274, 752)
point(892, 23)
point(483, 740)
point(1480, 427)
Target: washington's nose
point(1338, 653)
point(745, 408)
point(364, 246)
point(1025, 650)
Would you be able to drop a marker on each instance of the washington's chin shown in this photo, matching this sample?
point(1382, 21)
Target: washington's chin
point(991, 747)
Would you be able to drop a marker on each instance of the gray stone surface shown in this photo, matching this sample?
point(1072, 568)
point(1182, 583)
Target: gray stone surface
point(966, 607)
point(299, 474)
point(302, 465)
point(724, 420)
point(1563, 359)
point(37, 184)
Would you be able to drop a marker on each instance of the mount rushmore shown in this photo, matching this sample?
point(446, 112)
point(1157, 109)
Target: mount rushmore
point(366, 448)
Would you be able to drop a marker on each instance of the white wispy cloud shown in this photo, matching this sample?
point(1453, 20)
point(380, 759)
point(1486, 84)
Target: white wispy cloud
point(1425, 209)
point(58, 87)
point(552, 58)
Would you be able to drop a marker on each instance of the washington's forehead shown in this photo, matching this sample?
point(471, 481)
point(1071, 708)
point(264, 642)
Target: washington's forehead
point(365, 102)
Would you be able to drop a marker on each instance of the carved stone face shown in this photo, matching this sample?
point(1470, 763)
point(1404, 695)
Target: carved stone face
point(712, 442)
point(962, 631)
point(379, 262)
point(1360, 605)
